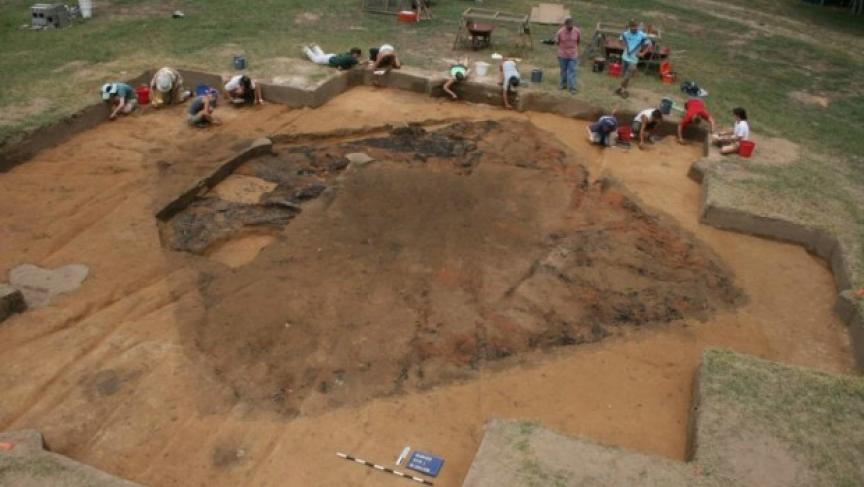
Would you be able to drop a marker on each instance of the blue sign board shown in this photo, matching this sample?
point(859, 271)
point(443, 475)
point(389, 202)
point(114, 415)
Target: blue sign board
point(425, 463)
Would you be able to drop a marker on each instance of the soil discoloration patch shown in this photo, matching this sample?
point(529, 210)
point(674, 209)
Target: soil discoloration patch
point(458, 247)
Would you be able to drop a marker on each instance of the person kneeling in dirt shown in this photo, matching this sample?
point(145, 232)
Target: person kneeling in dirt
point(122, 98)
point(166, 88)
point(243, 89)
point(200, 111)
point(694, 113)
point(342, 61)
point(729, 142)
point(602, 132)
point(459, 72)
point(645, 123)
point(510, 79)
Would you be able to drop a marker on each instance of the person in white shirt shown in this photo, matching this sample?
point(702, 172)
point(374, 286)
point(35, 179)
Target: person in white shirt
point(243, 89)
point(729, 142)
point(645, 123)
point(509, 79)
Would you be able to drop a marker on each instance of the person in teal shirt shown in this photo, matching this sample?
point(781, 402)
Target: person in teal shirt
point(121, 96)
point(636, 44)
point(459, 72)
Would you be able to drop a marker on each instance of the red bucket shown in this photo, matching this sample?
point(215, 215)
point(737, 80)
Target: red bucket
point(143, 94)
point(407, 16)
point(614, 70)
point(624, 133)
point(745, 148)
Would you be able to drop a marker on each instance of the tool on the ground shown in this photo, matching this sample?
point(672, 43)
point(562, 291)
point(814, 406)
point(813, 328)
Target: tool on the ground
point(402, 456)
point(384, 469)
point(425, 463)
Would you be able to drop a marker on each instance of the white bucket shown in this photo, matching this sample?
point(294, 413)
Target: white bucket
point(86, 7)
point(481, 68)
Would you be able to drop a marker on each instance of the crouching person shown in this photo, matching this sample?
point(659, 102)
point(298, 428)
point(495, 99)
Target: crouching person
point(200, 111)
point(644, 124)
point(166, 88)
point(459, 72)
point(121, 97)
point(603, 131)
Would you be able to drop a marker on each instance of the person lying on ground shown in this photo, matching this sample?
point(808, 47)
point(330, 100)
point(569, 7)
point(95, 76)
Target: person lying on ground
point(510, 79)
point(636, 44)
point(166, 88)
point(243, 89)
point(694, 113)
point(121, 97)
point(730, 142)
point(342, 61)
point(602, 132)
point(645, 123)
point(459, 72)
point(385, 59)
point(200, 111)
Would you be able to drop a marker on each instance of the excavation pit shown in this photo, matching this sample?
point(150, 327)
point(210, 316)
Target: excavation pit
point(438, 250)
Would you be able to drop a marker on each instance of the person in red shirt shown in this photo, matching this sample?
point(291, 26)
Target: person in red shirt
point(694, 113)
point(567, 39)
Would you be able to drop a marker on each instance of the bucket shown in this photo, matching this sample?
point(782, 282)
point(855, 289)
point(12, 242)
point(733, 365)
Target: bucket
point(599, 65)
point(239, 62)
point(143, 94)
point(745, 148)
point(407, 16)
point(86, 7)
point(667, 78)
point(624, 133)
point(666, 106)
point(481, 68)
point(536, 75)
point(615, 70)
point(665, 68)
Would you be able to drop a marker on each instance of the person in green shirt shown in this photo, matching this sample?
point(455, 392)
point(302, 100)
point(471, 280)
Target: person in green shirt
point(458, 72)
point(346, 60)
point(121, 96)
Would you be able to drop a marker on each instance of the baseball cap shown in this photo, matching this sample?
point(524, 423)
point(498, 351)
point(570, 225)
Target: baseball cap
point(108, 89)
point(163, 81)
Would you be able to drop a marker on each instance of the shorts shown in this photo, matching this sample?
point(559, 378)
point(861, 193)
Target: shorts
point(197, 120)
point(129, 105)
point(636, 126)
point(628, 69)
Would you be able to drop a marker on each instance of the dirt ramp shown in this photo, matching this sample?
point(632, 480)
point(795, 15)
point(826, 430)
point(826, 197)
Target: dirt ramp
point(445, 250)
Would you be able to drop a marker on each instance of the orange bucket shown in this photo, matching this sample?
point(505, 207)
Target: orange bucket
point(745, 148)
point(667, 78)
point(624, 133)
point(615, 70)
point(407, 16)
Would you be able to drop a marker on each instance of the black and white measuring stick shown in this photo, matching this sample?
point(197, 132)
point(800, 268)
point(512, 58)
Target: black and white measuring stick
point(384, 469)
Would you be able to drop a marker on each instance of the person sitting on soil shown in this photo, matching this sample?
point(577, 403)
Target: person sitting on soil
point(602, 132)
point(459, 72)
point(730, 142)
point(200, 111)
point(385, 59)
point(645, 123)
point(122, 98)
point(342, 61)
point(636, 44)
point(166, 88)
point(694, 113)
point(243, 89)
point(510, 79)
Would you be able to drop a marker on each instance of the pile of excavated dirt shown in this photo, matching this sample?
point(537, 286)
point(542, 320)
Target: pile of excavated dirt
point(471, 243)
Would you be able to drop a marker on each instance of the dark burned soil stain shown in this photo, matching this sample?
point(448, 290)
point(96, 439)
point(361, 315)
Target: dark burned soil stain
point(458, 247)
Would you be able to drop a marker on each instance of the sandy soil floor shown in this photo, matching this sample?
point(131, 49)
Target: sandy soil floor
point(105, 374)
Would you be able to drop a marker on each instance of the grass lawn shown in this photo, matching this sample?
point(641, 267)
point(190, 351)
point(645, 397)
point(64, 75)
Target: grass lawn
point(796, 67)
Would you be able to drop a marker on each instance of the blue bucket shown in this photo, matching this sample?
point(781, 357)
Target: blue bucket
point(239, 62)
point(536, 75)
point(666, 106)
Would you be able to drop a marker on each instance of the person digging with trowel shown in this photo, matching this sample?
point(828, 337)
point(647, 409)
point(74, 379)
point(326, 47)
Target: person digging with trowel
point(200, 111)
point(122, 98)
point(459, 72)
point(166, 88)
point(509, 79)
point(695, 113)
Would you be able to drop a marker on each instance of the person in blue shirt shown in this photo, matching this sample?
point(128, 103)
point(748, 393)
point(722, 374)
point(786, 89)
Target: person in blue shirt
point(602, 132)
point(636, 44)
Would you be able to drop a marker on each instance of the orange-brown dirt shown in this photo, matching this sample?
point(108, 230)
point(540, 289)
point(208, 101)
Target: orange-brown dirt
point(109, 374)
